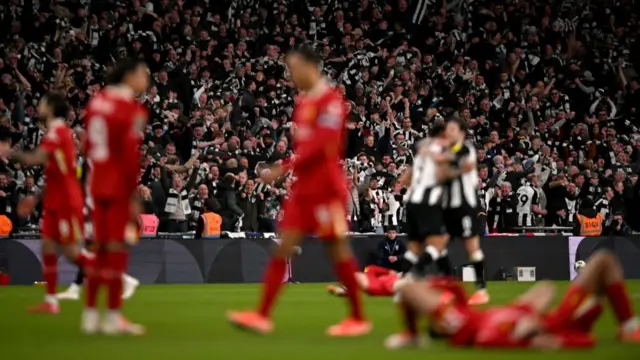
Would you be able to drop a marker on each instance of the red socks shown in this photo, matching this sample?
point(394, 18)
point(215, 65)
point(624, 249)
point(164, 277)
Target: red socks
point(619, 299)
point(94, 279)
point(346, 270)
point(271, 285)
point(50, 272)
point(574, 298)
point(116, 263)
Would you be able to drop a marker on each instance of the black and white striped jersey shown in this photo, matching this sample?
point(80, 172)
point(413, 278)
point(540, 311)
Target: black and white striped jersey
point(425, 188)
point(462, 190)
point(603, 207)
point(527, 197)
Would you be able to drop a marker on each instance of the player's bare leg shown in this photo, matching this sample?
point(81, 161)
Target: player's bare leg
point(476, 257)
point(602, 277)
point(345, 267)
point(419, 299)
point(435, 246)
point(339, 290)
point(260, 321)
point(538, 297)
point(50, 276)
point(113, 265)
point(83, 259)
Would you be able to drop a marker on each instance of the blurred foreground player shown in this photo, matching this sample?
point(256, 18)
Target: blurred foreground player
point(374, 281)
point(319, 119)
point(130, 284)
point(63, 220)
point(526, 323)
point(114, 122)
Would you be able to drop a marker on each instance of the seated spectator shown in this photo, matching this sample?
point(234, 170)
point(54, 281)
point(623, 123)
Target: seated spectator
point(391, 250)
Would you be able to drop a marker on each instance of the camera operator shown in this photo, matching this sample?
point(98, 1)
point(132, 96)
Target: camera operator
point(618, 227)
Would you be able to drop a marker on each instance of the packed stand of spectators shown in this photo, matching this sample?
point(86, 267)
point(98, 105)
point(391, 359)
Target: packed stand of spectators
point(549, 90)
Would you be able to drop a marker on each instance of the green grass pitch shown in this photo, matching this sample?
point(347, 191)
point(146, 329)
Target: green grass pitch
point(188, 322)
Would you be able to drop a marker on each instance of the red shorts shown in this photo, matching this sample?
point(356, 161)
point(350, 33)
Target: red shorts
point(65, 226)
point(110, 219)
point(325, 218)
point(583, 320)
point(381, 285)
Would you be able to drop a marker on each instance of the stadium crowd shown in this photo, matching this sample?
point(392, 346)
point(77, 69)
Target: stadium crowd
point(548, 89)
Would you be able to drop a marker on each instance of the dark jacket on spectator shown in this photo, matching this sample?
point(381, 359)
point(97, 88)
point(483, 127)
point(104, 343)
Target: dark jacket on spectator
point(249, 206)
point(229, 209)
point(388, 248)
point(367, 213)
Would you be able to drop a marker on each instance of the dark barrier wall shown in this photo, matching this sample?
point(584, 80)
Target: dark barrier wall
point(243, 260)
point(626, 248)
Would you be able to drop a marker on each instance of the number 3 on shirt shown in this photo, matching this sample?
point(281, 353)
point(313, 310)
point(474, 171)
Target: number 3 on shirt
point(98, 136)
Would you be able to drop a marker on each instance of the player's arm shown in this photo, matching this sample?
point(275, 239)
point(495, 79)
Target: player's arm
point(438, 157)
point(445, 172)
point(82, 139)
point(325, 141)
point(469, 162)
point(39, 156)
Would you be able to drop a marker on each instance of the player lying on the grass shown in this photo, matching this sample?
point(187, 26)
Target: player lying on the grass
point(374, 280)
point(62, 203)
point(526, 322)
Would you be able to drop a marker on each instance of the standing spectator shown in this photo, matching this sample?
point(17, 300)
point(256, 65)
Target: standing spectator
point(7, 196)
point(508, 209)
point(148, 207)
point(229, 209)
point(29, 189)
point(197, 201)
point(177, 205)
point(269, 205)
point(368, 211)
point(248, 204)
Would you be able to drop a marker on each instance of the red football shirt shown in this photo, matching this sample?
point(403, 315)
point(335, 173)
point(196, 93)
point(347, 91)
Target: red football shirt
point(62, 186)
point(319, 119)
point(114, 121)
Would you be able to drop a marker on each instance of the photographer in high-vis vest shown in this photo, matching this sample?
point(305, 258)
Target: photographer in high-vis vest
point(588, 222)
point(209, 223)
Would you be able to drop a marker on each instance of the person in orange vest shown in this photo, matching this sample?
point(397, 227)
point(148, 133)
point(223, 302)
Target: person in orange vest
point(209, 222)
point(588, 222)
point(6, 226)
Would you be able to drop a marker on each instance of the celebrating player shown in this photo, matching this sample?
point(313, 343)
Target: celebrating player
point(319, 119)
point(374, 281)
point(114, 121)
point(526, 322)
point(62, 221)
point(461, 207)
